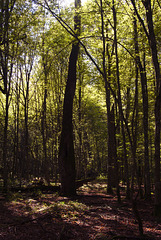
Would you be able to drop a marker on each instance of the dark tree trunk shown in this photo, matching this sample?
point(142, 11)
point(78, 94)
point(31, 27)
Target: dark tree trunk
point(26, 87)
point(44, 118)
point(145, 114)
point(153, 46)
point(6, 72)
point(79, 163)
point(5, 167)
point(26, 132)
point(112, 152)
point(154, 51)
point(16, 167)
point(66, 150)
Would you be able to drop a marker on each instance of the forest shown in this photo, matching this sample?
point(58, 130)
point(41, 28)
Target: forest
point(80, 114)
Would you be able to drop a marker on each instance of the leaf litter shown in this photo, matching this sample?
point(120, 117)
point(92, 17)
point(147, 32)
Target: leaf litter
point(92, 214)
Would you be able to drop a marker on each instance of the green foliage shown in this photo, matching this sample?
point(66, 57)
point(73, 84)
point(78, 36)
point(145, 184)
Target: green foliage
point(38, 50)
point(68, 209)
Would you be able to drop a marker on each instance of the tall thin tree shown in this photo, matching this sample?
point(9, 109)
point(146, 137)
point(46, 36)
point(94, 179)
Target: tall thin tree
point(149, 31)
point(66, 149)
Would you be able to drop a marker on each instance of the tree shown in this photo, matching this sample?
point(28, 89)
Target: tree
point(120, 100)
point(149, 31)
point(145, 112)
point(66, 150)
point(6, 60)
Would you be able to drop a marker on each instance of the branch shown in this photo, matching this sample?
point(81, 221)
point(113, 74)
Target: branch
point(2, 90)
point(159, 4)
point(140, 19)
point(72, 33)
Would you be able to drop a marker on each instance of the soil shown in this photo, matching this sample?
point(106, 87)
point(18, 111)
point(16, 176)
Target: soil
point(92, 214)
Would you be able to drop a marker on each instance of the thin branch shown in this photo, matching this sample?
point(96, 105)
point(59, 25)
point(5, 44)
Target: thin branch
point(140, 19)
point(159, 4)
point(72, 33)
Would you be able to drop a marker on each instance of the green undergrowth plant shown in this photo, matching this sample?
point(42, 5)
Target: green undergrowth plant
point(70, 209)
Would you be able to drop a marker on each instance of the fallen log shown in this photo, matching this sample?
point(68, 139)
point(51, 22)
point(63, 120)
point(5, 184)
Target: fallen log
point(48, 188)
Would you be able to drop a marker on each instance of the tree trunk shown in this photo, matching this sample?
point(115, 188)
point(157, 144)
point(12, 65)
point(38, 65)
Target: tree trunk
point(44, 119)
point(153, 46)
point(145, 114)
point(66, 150)
point(80, 157)
point(26, 157)
point(120, 103)
point(112, 152)
point(154, 51)
point(6, 72)
point(5, 167)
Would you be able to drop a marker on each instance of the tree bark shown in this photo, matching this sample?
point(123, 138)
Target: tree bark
point(66, 150)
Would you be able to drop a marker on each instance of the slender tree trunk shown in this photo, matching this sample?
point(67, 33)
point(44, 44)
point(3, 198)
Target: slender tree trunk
point(154, 51)
point(26, 132)
point(145, 114)
point(120, 103)
point(59, 96)
point(153, 46)
point(6, 72)
point(147, 180)
point(112, 152)
point(66, 150)
point(5, 134)
point(80, 157)
point(44, 119)
point(135, 115)
point(26, 90)
point(16, 166)
point(44, 135)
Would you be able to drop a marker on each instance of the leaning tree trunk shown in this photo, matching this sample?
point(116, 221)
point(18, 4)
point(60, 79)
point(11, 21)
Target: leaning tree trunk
point(66, 150)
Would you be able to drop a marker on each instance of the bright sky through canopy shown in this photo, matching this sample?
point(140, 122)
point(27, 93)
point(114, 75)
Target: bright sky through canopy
point(68, 2)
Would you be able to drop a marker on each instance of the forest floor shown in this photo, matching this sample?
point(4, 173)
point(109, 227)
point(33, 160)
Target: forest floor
point(93, 214)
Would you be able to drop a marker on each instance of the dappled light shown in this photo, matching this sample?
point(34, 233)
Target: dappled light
point(90, 215)
point(80, 120)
